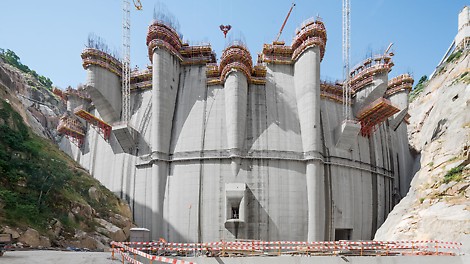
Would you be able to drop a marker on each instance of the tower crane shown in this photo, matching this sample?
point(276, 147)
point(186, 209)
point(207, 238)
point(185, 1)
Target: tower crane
point(126, 54)
point(346, 48)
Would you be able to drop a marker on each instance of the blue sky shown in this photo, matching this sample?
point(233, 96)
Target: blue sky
point(49, 35)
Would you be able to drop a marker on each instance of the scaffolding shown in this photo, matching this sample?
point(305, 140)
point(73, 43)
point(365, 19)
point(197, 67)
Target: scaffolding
point(400, 83)
point(194, 55)
point(332, 91)
point(59, 93)
point(72, 128)
point(141, 80)
point(80, 93)
point(102, 127)
point(91, 56)
point(276, 53)
point(237, 57)
point(374, 114)
point(311, 32)
point(160, 35)
point(363, 74)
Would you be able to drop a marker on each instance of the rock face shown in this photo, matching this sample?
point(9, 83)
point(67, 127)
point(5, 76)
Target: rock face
point(438, 203)
point(94, 215)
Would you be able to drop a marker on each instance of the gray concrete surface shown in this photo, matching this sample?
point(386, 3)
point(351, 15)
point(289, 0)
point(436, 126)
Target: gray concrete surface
point(49, 256)
point(33, 257)
point(277, 139)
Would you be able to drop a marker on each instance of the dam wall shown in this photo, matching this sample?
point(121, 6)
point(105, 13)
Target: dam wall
point(240, 151)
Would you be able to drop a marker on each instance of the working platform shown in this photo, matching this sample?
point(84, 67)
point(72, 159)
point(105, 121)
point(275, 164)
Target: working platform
point(102, 127)
point(72, 129)
point(374, 114)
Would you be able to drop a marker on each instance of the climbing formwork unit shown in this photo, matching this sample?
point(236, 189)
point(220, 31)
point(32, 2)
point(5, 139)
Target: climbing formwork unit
point(311, 33)
point(235, 56)
point(72, 128)
point(332, 91)
point(97, 57)
point(141, 80)
point(102, 127)
point(374, 114)
point(400, 83)
point(363, 74)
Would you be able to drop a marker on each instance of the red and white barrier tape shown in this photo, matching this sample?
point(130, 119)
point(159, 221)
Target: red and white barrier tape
point(127, 257)
point(150, 257)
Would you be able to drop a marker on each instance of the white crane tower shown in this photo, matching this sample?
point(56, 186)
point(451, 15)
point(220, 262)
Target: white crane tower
point(126, 57)
point(346, 47)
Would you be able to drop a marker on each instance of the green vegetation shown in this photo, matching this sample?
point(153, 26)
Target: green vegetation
point(11, 58)
point(419, 87)
point(454, 174)
point(421, 200)
point(464, 77)
point(454, 56)
point(39, 182)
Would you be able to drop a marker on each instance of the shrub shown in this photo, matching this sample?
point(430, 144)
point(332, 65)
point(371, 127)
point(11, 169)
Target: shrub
point(454, 174)
point(454, 56)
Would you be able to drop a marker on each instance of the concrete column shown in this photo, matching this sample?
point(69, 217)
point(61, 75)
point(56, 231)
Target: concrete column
point(307, 89)
point(164, 88)
point(400, 146)
point(236, 89)
point(104, 88)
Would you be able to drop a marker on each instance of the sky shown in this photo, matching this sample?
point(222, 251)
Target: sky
point(49, 35)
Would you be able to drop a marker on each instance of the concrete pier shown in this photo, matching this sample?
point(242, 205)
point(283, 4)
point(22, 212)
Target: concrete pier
point(236, 89)
point(307, 89)
point(166, 69)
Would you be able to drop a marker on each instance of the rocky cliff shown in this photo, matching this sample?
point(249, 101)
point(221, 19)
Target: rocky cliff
point(47, 199)
point(437, 205)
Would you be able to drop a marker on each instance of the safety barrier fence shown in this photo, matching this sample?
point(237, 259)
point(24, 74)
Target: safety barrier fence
point(125, 251)
point(166, 252)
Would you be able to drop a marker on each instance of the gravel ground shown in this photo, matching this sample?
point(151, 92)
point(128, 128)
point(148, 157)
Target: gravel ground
point(50, 256)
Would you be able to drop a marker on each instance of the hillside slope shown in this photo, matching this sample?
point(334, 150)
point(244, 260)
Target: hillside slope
point(47, 199)
point(438, 203)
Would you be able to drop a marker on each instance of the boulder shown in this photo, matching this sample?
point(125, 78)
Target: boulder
point(30, 238)
point(94, 193)
point(44, 242)
point(55, 228)
point(125, 209)
point(112, 231)
point(82, 210)
point(13, 232)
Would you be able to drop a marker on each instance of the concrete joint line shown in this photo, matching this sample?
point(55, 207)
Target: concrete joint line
point(158, 156)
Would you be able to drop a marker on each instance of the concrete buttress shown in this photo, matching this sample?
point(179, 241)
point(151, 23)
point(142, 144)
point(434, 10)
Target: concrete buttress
point(236, 88)
point(164, 87)
point(307, 89)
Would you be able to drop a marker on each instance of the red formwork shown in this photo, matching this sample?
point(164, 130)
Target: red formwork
point(374, 114)
point(72, 129)
point(102, 127)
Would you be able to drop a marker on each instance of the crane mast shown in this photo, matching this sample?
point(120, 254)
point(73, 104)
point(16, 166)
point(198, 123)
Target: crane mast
point(126, 60)
point(346, 48)
point(126, 57)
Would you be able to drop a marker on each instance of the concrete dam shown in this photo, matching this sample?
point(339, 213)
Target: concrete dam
point(242, 150)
